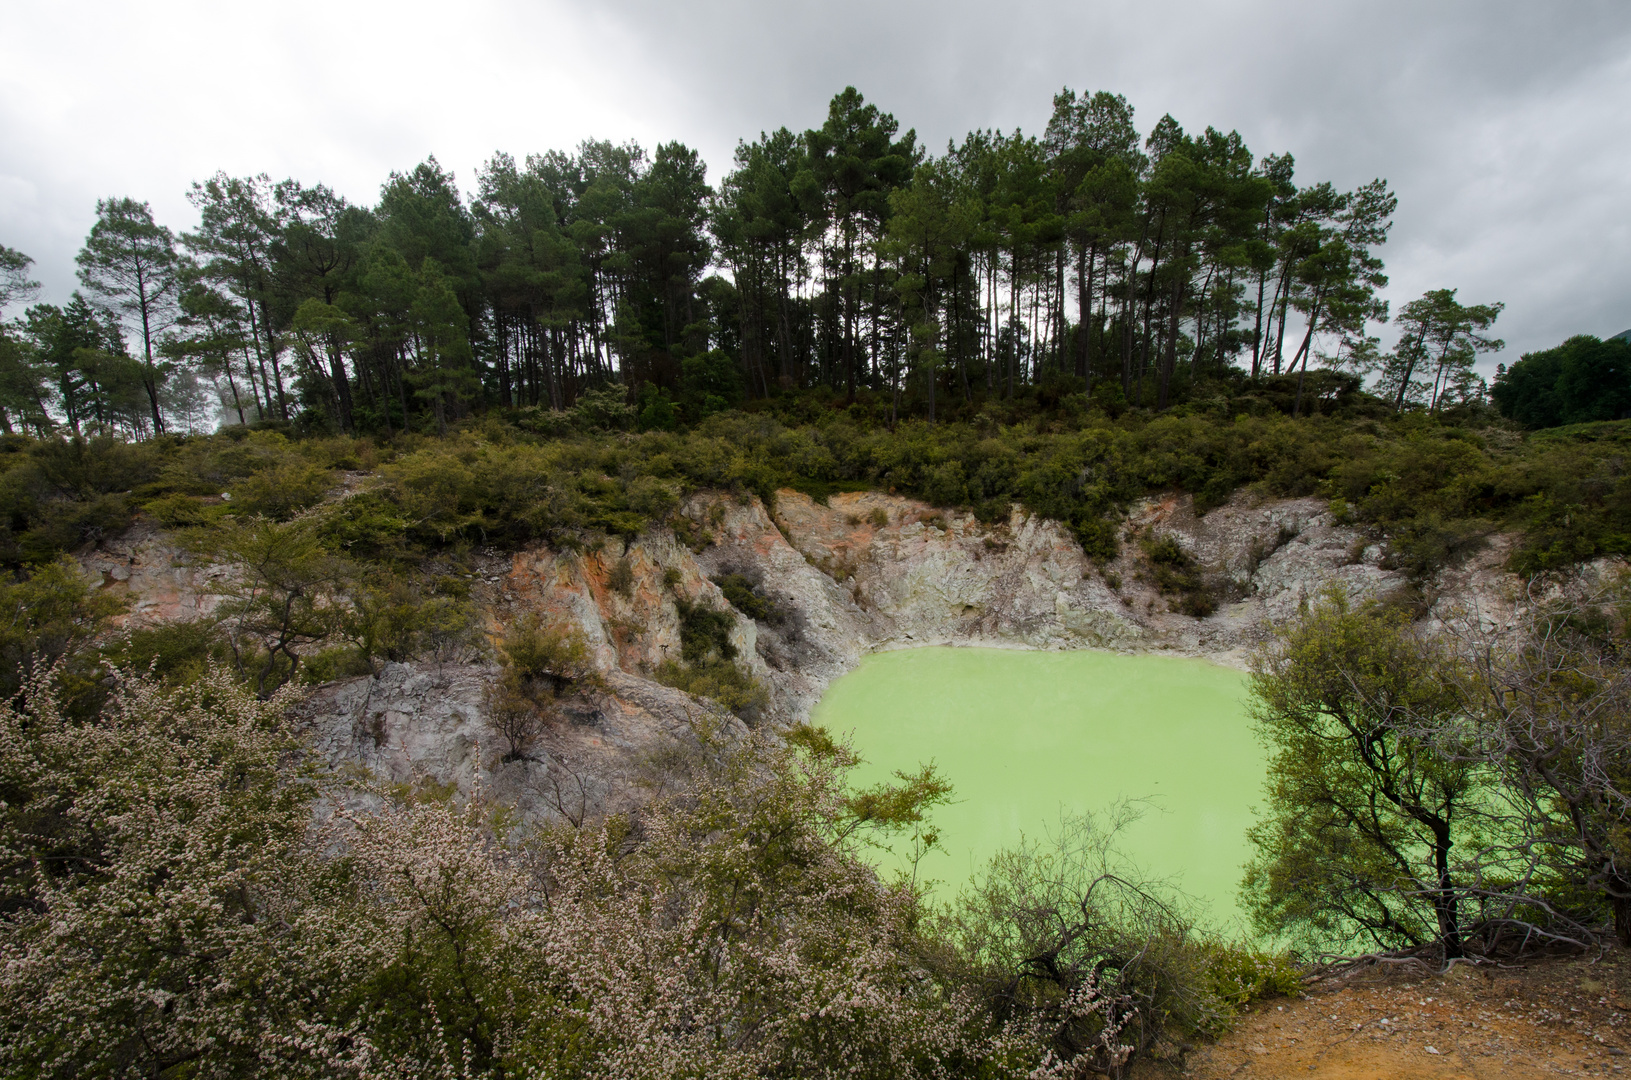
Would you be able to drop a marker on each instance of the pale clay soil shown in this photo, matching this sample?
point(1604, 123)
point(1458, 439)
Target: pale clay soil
point(1547, 1018)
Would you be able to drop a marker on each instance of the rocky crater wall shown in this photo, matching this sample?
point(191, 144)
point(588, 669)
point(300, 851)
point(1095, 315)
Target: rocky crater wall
point(863, 572)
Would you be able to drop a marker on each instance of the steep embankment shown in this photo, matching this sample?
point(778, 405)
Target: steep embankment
point(867, 571)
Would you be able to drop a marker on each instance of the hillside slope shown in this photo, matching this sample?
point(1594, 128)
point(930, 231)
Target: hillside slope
point(863, 572)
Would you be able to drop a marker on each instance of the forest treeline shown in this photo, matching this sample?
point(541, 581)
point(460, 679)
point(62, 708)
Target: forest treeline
point(1128, 267)
point(1065, 322)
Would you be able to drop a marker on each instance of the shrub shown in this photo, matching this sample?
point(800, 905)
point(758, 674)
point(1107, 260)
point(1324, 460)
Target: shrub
point(546, 658)
point(143, 856)
point(48, 617)
point(742, 595)
point(399, 620)
point(283, 491)
point(705, 633)
point(1242, 974)
point(175, 652)
point(1176, 573)
point(1068, 942)
point(718, 680)
point(284, 597)
point(337, 662)
point(620, 579)
point(604, 408)
point(517, 712)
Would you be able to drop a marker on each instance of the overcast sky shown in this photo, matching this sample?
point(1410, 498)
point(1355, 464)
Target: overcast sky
point(1504, 127)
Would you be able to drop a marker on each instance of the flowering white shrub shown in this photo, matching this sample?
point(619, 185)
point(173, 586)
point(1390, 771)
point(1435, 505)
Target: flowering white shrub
point(172, 907)
point(136, 854)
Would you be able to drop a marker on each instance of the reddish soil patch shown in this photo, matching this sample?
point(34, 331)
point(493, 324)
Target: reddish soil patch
point(1546, 1018)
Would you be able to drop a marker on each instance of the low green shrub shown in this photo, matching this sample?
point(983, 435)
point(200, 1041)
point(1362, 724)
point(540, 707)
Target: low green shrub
point(742, 595)
point(49, 616)
point(620, 579)
point(176, 652)
point(718, 680)
point(336, 662)
point(1176, 573)
point(283, 491)
point(1241, 974)
point(546, 656)
point(705, 632)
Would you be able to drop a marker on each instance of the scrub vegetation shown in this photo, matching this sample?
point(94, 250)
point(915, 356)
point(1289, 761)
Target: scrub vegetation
point(1453, 793)
point(344, 403)
point(172, 909)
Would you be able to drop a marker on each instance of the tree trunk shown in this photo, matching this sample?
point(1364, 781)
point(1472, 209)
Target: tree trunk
point(1169, 361)
point(1304, 350)
point(1013, 321)
point(1409, 369)
point(1620, 901)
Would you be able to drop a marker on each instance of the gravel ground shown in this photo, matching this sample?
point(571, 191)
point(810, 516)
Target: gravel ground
point(1546, 1018)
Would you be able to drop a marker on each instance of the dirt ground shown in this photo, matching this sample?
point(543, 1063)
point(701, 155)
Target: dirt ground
point(1547, 1018)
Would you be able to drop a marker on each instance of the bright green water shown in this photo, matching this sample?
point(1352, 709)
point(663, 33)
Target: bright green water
point(1024, 736)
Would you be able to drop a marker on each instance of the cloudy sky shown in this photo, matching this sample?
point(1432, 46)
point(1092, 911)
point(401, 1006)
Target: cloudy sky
point(1505, 127)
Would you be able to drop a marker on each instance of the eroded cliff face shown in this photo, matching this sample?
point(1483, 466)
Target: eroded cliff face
point(417, 723)
point(865, 572)
point(159, 581)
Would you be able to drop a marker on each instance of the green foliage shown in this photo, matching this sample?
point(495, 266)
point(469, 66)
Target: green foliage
point(175, 652)
point(546, 656)
point(657, 412)
point(705, 632)
point(707, 665)
point(709, 384)
point(330, 664)
point(620, 578)
point(603, 409)
point(1371, 830)
point(284, 598)
point(1579, 381)
point(742, 595)
point(1242, 974)
point(282, 491)
point(47, 617)
point(722, 681)
point(1059, 924)
point(399, 620)
point(1430, 490)
point(1176, 573)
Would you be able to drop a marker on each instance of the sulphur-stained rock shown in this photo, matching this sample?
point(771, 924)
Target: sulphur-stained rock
point(923, 576)
point(633, 630)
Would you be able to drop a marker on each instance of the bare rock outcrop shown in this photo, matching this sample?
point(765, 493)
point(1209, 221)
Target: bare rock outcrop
point(430, 722)
point(161, 582)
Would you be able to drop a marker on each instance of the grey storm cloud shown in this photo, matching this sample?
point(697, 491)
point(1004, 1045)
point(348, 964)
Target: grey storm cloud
point(1503, 126)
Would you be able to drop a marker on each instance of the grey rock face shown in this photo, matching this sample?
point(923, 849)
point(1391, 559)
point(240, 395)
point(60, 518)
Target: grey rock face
point(423, 722)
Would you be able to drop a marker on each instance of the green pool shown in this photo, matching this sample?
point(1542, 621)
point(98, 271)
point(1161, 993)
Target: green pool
point(1025, 735)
